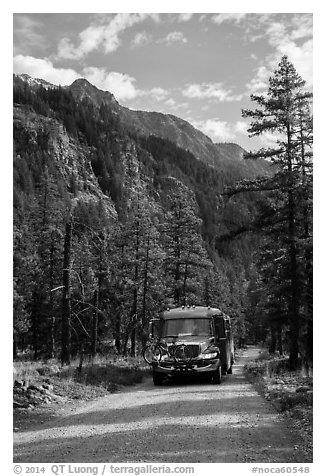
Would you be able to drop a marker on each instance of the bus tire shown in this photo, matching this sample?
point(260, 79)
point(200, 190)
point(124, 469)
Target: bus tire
point(157, 379)
point(217, 376)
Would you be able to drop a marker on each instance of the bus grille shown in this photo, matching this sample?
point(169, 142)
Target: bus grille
point(194, 350)
point(185, 352)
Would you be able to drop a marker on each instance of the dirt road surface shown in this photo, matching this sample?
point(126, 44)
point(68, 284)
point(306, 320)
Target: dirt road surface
point(180, 422)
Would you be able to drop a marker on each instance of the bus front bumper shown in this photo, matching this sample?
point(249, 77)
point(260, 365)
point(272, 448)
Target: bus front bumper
point(194, 367)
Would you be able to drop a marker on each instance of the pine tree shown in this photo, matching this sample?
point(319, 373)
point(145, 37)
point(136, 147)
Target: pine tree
point(138, 272)
point(284, 111)
point(48, 230)
point(89, 270)
point(186, 256)
point(25, 269)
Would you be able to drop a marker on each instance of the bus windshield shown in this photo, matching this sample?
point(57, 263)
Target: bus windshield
point(186, 327)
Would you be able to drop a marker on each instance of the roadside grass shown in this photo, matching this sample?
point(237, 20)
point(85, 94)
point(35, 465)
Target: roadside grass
point(25, 371)
point(96, 378)
point(108, 373)
point(284, 388)
point(291, 393)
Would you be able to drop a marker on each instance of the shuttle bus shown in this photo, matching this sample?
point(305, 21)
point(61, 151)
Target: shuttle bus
point(192, 341)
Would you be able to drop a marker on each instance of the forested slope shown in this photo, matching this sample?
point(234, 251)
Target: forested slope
point(113, 223)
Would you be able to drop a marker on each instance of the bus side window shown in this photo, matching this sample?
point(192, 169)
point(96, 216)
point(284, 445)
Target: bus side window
point(219, 326)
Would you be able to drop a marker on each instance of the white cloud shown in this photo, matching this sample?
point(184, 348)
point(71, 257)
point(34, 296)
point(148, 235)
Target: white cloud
point(27, 33)
point(269, 139)
point(44, 69)
point(183, 17)
point(302, 25)
point(173, 37)
point(219, 130)
point(210, 91)
point(141, 39)
point(241, 127)
point(290, 35)
point(288, 41)
point(260, 81)
point(118, 24)
point(104, 33)
point(228, 17)
point(154, 16)
point(178, 105)
point(157, 93)
point(90, 40)
point(215, 129)
point(286, 34)
point(170, 102)
point(300, 55)
point(66, 50)
point(276, 32)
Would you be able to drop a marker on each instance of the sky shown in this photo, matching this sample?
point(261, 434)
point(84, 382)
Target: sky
point(201, 67)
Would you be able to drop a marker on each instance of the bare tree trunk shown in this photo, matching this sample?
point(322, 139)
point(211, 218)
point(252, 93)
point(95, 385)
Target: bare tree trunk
point(15, 347)
point(294, 303)
point(279, 339)
point(95, 322)
point(66, 303)
point(35, 324)
point(135, 298)
point(272, 345)
point(125, 341)
point(81, 359)
point(117, 337)
point(52, 317)
point(143, 317)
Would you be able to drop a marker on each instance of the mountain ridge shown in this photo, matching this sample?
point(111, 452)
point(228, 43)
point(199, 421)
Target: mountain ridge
point(167, 126)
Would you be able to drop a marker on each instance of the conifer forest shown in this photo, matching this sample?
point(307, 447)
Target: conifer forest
point(115, 220)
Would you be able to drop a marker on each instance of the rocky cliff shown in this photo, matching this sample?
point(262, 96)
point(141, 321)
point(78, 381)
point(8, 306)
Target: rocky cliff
point(71, 159)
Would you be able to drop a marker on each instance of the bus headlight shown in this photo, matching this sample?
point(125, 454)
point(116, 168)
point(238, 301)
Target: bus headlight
point(210, 353)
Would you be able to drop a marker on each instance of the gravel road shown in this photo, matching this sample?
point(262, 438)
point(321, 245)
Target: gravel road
point(180, 422)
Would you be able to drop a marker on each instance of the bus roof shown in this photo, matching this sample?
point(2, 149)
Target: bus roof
point(191, 312)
